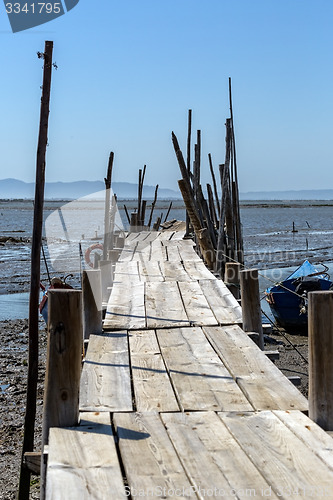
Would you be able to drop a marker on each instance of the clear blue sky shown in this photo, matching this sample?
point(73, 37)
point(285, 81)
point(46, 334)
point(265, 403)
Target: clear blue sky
point(128, 71)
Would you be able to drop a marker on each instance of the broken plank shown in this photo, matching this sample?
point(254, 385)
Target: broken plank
point(126, 306)
point(196, 305)
point(150, 461)
point(223, 304)
point(211, 456)
point(200, 379)
point(83, 462)
point(164, 306)
point(262, 382)
point(105, 379)
point(152, 387)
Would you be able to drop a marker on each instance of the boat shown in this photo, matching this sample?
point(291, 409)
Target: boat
point(288, 299)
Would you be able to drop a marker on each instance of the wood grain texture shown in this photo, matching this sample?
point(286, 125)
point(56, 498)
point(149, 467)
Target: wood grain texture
point(291, 467)
point(199, 377)
point(149, 459)
point(213, 460)
point(262, 382)
point(196, 305)
point(164, 307)
point(197, 270)
point(105, 380)
point(224, 305)
point(126, 307)
point(152, 387)
point(83, 462)
point(174, 271)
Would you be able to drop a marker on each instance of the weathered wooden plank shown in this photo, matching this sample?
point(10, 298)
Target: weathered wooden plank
point(292, 468)
point(150, 271)
point(196, 305)
point(105, 379)
point(224, 305)
point(310, 433)
point(124, 270)
point(199, 377)
point(261, 381)
point(152, 387)
point(172, 251)
point(197, 270)
point(158, 250)
point(126, 307)
point(83, 462)
point(164, 307)
point(213, 460)
point(150, 461)
point(174, 271)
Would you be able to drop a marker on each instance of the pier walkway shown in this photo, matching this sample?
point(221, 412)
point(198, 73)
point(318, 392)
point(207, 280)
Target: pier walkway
point(177, 401)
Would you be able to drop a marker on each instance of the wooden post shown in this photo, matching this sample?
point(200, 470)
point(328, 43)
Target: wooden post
point(201, 233)
point(320, 324)
point(134, 222)
point(251, 310)
point(63, 365)
point(153, 206)
point(30, 413)
point(107, 181)
point(188, 162)
point(106, 279)
point(92, 302)
point(232, 278)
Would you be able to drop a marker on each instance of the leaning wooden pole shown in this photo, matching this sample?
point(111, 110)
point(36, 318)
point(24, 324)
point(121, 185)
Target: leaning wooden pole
point(30, 414)
point(107, 181)
point(188, 162)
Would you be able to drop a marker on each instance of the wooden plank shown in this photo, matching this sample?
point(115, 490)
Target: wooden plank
point(213, 460)
point(152, 387)
point(197, 270)
point(174, 271)
point(164, 306)
point(105, 380)
point(158, 250)
point(83, 462)
point(124, 270)
point(196, 305)
point(292, 469)
point(172, 252)
point(262, 382)
point(126, 307)
point(150, 461)
point(199, 377)
point(223, 304)
point(150, 271)
point(310, 433)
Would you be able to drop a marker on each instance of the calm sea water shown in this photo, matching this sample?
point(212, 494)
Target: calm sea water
point(269, 241)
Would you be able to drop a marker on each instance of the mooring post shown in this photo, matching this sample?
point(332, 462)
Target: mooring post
point(63, 365)
point(106, 279)
point(232, 278)
point(251, 310)
point(92, 302)
point(320, 325)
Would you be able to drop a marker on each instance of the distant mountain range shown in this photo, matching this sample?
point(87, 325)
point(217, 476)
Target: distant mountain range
point(13, 188)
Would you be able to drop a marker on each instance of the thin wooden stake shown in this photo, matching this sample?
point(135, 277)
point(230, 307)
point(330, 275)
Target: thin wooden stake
point(30, 415)
point(214, 182)
point(153, 206)
point(189, 133)
point(107, 181)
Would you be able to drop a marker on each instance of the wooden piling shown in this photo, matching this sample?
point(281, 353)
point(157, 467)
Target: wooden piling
point(92, 302)
point(232, 278)
point(106, 279)
point(251, 310)
point(30, 413)
point(320, 324)
point(63, 364)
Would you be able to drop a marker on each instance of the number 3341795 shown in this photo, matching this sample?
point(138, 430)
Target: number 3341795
point(33, 8)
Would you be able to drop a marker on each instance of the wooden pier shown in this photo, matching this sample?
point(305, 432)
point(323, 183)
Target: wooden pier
point(176, 400)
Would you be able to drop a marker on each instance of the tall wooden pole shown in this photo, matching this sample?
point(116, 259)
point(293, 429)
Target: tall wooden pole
point(107, 181)
point(320, 358)
point(30, 414)
point(188, 162)
point(251, 309)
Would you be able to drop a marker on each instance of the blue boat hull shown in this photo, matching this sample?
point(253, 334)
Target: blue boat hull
point(286, 305)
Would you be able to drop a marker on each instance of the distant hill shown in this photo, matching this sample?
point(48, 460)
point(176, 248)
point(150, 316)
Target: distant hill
point(13, 188)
